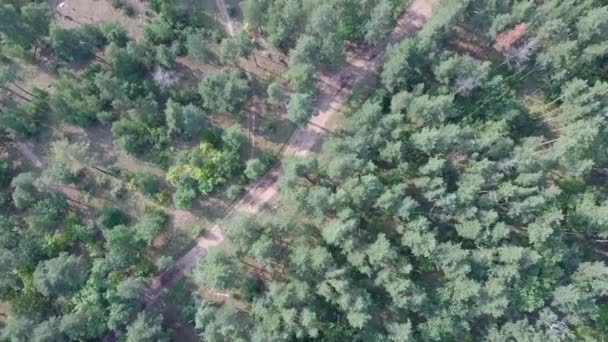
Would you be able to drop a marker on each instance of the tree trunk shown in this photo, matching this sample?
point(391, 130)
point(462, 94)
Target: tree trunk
point(105, 172)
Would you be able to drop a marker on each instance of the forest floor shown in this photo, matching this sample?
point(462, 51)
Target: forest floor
point(267, 129)
point(74, 13)
point(333, 87)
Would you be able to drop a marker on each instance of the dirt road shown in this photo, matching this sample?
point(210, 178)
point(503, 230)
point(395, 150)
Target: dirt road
point(332, 87)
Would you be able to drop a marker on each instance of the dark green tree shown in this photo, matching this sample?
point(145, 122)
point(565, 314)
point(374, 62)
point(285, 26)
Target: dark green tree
point(60, 276)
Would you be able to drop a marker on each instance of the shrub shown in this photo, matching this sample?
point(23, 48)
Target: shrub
point(115, 33)
point(234, 191)
point(150, 225)
point(257, 167)
point(250, 288)
point(111, 217)
point(183, 197)
point(47, 213)
point(148, 184)
point(25, 193)
point(74, 230)
point(78, 44)
point(206, 166)
point(157, 32)
point(224, 91)
point(164, 56)
point(61, 275)
point(164, 262)
point(118, 192)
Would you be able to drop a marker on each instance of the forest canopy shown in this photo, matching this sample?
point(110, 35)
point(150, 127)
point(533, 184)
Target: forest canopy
point(446, 208)
point(331, 170)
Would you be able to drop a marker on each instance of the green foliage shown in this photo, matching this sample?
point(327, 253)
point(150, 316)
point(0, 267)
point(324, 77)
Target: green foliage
point(150, 225)
point(8, 232)
point(184, 121)
point(206, 167)
point(25, 193)
point(216, 271)
point(183, 196)
point(128, 63)
point(136, 138)
point(208, 317)
point(224, 91)
point(142, 132)
point(75, 101)
point(301, 77)
point(300, 108)
point(234, 191)
point(25, 117)
point(17, 328)
point(122, 250)
point(84, 322)
point(18, 122)
point(442, 210)
point(197, 45)
point(250, 289)
point(462, 74)
point(25, 25)
point(47, 213)
point(75, 230)
point(257, 167)
point(113, 32)
point(380, 22)
point(254, 168)
point(48, 330)
point(146, 328)
point(157, 31)
point(398, 71)
point(233, 48)
point(111, 217)
point(273, 91)
point(164, 56)
point(60, 276)
point(253, 12)
point(148, 184)
point(76, 45)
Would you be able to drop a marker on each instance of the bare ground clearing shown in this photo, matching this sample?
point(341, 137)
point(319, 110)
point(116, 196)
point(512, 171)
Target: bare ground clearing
point(73, 13)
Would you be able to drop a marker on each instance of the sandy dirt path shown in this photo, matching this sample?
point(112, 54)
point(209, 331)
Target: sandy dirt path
point(333, 87)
